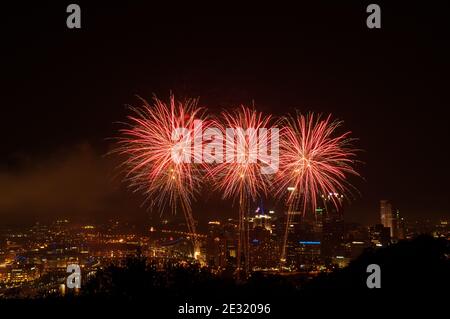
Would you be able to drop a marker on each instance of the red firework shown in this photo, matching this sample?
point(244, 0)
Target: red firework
point(240, 175)
point(315, 160)
point(148, 143)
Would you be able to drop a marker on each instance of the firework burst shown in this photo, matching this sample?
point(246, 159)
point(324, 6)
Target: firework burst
point(315, 160)
point(240, 176)
point(150, 148)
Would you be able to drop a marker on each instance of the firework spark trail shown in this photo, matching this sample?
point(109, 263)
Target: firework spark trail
point(239, 177)
point(147, 142)
point(314, 160)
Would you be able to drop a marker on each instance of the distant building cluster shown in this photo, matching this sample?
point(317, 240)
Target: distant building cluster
point(315, 242)
point(33, 260)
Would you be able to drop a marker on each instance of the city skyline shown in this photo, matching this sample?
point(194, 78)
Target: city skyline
point(35, 258)
point(195, 161)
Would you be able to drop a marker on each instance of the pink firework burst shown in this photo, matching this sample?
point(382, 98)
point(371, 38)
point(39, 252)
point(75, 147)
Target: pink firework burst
point(150, 146)
point(240, 176)
point(315, 160)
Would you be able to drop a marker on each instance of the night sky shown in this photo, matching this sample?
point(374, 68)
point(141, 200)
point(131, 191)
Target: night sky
point(65, 90)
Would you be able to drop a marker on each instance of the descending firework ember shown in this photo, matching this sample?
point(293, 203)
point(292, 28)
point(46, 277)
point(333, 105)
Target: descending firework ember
point(240, 177)
point(148, 143)
point(314, 160)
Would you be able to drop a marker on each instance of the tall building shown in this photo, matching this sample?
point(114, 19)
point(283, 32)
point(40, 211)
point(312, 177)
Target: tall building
point(333, 230)
point(262, 221)
point(231, 235)
point(398, 226)
point(402, 229)
point(263, 245)
point(216, 245)
point(386, 215)
point(303, 241)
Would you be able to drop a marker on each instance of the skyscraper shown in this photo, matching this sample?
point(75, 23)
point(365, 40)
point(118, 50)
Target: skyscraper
point(332, 225)
point(216, 245)
point(386, 215)
point(395, 225)
point(263, 221)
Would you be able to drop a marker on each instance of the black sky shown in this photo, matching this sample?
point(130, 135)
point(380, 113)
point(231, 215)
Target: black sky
point(63, 90)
